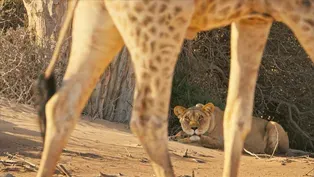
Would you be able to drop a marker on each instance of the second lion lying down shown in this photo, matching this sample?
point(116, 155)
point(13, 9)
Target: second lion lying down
point(203, 124)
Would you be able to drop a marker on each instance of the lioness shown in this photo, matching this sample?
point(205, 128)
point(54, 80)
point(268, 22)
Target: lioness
point(203, 124)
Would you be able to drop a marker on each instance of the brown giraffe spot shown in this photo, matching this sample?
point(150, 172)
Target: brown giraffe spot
point(169, 16)
point(171, 28)
point(147, 20)
point(158, 59)
point(152, 66)
point(143, 105)
point(152, 46)
point(145, 37)
point(163, 7)
point(146, 1)
point(137, 31)
point(163, 46)
point(145, 49)
point(305, 28)
point(162, 20)
point(152, 8)
point(152, 30)
point(310, 22)
point(177, 37)
point(147, 91)
point(138, 7)
point(177, 10)
point(145, 75)
point(295, 18)
point(165, 52)
point(181, 20)
point(132, 18)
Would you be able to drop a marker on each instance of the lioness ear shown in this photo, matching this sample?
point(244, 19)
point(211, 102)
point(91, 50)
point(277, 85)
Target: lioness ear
point(209, 107)
point(178, 110)
point(199, 105)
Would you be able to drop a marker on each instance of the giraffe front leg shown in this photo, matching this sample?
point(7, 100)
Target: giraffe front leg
point(95, 42)
point(153, 31)
point(248, 39)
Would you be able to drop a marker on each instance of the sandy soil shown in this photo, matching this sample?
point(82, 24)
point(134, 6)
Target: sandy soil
point(109, 148)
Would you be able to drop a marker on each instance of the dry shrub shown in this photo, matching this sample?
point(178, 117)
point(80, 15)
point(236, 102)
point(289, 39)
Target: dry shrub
point(285, 85)
point(21, 61)
point(12, 14)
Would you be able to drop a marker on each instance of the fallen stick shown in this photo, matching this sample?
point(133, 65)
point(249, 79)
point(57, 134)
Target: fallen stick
point(18, 163)
point(63, 170)
point(23, 160)
point(251, 153)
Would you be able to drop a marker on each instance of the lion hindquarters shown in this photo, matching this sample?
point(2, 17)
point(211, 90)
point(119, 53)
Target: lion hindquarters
point(276, 138)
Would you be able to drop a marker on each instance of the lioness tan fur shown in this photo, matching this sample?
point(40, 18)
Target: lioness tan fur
point(203, 124)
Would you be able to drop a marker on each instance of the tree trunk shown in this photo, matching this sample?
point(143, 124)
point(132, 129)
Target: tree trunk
point(45, 18)
point(113, 96)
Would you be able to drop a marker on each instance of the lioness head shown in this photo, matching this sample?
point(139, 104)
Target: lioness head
point(195, 120)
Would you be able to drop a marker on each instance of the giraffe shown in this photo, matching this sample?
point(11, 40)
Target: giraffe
point(153, 31)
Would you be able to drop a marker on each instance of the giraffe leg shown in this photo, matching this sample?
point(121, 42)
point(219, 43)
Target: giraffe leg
point(154, 41)
point(248, 39)
point(95, 42)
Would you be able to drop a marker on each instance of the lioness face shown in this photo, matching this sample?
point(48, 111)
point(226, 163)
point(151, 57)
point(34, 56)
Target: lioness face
point(195, 120)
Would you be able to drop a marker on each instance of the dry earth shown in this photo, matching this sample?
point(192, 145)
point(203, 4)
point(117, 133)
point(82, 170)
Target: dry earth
point(109, 148)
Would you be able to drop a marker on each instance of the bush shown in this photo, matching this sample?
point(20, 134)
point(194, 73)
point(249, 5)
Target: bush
point(12, 14)
point(21, 62)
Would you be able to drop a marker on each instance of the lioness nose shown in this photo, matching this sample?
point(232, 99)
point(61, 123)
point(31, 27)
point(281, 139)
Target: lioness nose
point(193, 128)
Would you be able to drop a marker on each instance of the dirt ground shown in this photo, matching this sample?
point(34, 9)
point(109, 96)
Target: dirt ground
point(102, 147)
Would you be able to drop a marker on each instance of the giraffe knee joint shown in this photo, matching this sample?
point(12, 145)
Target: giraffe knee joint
point(60, 120)
point(148, 125)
